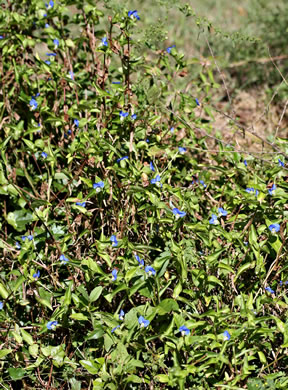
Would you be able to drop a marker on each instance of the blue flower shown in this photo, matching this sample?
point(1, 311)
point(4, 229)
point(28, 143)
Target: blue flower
point(63, 258)
point(272, 190)
point(250, 190)
point(170, 48)
point(152, 166)
point(33, 103)
point(178, 213)
point(150, 270)
point(114, 241)
point(133, 14)
point(44, 155)
point(133, 117)
point(123, 115)
point(274, 227)
point(156, 181)
point(181, 150)
point(47, 25)
point(82, 204)
point(143, 323)
point(30, 237)
point(147, 140)
point(122, 158)
point(17, 245)
point(172, 130)
point(270, 290)
point(280, 163)
point(281, 283)
point(104, 42)
point(76, 122)
point(213, 220)
point(1, 305)
point(56, 42)
point(197, 102)
point(116, 82)
point(1, 37)
point(71, 75)
point(116, 327)
point(51, 54)
point(47, 62)
point(226, 335)
point(52, 324)
point(184, 330)
point(221, 212)
point(50, 5)
point(68, 132)
point(121, 315)
point(203, 184)
point(140, 261)
point(245, 163)
point(114, 274)
point(98, 186)
point(36, 275)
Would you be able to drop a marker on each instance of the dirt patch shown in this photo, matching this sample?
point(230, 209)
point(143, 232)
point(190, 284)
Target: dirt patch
point(254, 113)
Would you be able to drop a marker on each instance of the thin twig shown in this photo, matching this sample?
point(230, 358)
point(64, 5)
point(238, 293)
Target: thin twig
point(221, 75)
point(253, 132)
point(263, 60)
point(193, 127)
point(280, 120)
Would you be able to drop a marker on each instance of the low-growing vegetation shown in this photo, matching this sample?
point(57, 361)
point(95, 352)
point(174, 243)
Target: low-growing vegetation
point(143, 240)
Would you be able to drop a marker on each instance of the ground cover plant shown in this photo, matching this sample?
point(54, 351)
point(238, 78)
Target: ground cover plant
point(139, 248)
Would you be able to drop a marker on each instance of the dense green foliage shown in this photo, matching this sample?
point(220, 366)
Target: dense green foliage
point(123, 220)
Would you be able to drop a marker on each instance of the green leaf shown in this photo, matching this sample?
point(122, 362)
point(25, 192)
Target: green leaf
point(4, 352)
point(67, 296)
point(3, 292)
point(166, 306)
point(18, 283)
point(225, 266)
point(133, 379)
point(90, 366)
point(162, 378)
point(243, 268)
point(75, 385)
point(110, 296)
point(19, 219)
point(16, 373)
point(27, 337)
point(30, 145)
point(253, 239)
point(34, 350)
point(97, 333)
point(93, 266)
point(106, 257)
point(79, 317)
point(212, 279)
point(95, 293)
point(44, 302)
